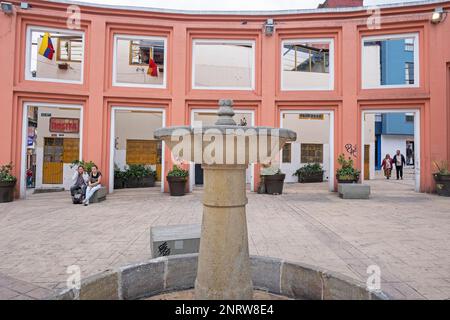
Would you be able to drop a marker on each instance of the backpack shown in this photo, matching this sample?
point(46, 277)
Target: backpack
point(77, 197)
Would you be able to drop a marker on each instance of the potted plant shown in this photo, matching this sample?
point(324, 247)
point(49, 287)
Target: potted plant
point(273, 180)
point(149, 178)
point(311, 172)
point(177, 178)
point(7, 183)
point(347, 173)
point(442, 179)
point(120, 178)
point(140, 176)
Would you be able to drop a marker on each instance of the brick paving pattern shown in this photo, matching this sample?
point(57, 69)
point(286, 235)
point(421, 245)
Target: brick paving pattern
point(406, 234)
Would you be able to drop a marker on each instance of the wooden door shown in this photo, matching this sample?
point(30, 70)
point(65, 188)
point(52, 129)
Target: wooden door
point(71, 150)
point(53, 161)
point(366, 162)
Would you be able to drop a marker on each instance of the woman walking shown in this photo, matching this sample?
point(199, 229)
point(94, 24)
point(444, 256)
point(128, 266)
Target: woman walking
point(94, 183)
point(387, 166)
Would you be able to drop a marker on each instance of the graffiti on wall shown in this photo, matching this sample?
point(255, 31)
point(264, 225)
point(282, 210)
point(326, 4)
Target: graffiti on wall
point(351, 149)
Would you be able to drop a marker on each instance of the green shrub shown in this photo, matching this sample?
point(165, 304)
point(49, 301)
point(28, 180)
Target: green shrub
point(309, 169)
point(178, 172)
point(347, 171)
point(87, 165)
point(6, 173)
point(139, 171)
point(442, 167)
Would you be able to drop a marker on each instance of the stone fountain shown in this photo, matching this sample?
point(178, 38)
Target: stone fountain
point(223, 268)
point(225, 150)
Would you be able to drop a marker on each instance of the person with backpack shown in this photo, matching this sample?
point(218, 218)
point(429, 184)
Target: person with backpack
point(80, 179)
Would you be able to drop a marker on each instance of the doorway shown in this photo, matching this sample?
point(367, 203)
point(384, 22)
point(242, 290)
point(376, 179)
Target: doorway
point(132, 140)
point(51, 142)
point(389, 130)
point(314, 144)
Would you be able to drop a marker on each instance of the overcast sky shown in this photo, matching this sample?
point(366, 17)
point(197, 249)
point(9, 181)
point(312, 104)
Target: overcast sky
point(230, 4)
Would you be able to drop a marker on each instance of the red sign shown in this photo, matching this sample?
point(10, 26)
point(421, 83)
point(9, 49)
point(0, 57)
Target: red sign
point(65, 125)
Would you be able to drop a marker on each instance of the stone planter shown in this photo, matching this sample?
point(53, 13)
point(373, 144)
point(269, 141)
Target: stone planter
point(140, 182)
point(7, 191)
point(177, 185)
point(442, 184)
point(315, 177)
point(353, 191)
point(274, 183)
point(119, 183)
point(148, 182)
point(347, 179)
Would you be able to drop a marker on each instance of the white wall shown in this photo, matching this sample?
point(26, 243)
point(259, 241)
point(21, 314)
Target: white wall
point(391, 143)
point(371, 70)
point(223, 65)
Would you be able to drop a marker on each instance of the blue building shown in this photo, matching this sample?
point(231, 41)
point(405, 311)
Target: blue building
point(395, 131)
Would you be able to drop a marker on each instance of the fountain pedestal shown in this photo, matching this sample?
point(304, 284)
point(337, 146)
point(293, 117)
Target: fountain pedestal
point(224, 264)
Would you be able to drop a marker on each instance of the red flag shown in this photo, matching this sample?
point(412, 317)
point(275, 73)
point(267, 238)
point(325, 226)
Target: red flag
point(152, 68)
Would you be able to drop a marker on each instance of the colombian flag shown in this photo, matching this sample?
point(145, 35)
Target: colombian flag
point(46, 48)
point(152, 68)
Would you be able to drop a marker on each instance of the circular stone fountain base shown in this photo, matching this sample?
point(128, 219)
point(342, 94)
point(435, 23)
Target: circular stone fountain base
point(173, 276)
point(189, 295)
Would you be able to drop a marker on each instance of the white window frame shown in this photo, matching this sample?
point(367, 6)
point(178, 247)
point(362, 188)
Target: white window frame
point(330, 86)
point(28, 54)
point(416, 60)
point(116, 83)
point(224, 41)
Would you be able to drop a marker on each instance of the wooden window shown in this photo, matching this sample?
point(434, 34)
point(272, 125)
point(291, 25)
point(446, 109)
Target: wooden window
point(70, 49)
point(287, 150)
point(143, 152)
point(71, 147)
point(311, 153)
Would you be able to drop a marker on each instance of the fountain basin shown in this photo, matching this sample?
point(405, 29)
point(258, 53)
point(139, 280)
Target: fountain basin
point(177, 273)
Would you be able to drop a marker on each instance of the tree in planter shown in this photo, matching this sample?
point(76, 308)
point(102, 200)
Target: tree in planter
point(87, 165)
point(7, 183)
point(177, 178)
point(140, 176)
point(272, 180)
point(347, 173)
point(442, 178)
point(311, 172)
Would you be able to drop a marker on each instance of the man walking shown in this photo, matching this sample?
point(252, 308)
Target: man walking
point(399, 161)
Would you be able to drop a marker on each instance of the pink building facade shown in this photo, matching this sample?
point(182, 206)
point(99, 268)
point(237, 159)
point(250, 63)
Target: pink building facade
point(346, 95)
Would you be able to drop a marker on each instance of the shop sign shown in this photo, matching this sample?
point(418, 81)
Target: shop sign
point(65, 125)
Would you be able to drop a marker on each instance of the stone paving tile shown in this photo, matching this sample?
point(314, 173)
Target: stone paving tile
point(405, 233)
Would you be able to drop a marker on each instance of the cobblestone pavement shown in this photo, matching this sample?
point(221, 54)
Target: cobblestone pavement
point(406, 234)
